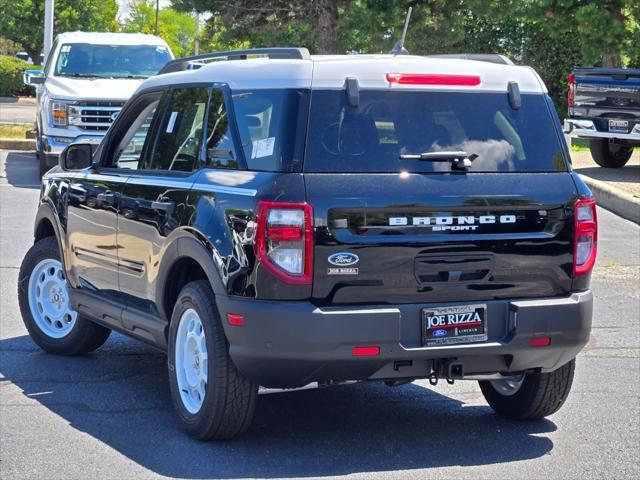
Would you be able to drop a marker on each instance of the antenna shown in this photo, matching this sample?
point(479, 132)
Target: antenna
point(398, 48)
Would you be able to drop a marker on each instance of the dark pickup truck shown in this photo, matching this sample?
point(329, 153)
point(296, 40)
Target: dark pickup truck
point(604, 107)
point(289, 219)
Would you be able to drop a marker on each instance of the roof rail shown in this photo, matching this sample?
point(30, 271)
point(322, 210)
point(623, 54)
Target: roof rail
point(186, 63)
point(480, 57)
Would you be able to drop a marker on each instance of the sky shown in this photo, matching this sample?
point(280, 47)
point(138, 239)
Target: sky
point(123, 7)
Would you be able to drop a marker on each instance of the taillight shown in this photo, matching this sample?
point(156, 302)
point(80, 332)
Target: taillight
point(586, 236)
point(284, 240)
point(433, 79)
point(572, 90)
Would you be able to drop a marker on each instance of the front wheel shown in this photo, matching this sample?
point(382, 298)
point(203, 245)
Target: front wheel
point(610, 155)
point(529, 397)
point(43, 295)
point(212, 399)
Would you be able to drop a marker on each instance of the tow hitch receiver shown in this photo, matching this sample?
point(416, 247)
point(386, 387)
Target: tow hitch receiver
point(448, 368)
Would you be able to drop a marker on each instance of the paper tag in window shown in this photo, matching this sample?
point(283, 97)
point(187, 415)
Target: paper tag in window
point(172, 122)
point(65, 48)
point(263, 148)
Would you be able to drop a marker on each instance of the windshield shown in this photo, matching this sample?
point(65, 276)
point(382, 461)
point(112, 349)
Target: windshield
point(110, 61)
point(389, 131)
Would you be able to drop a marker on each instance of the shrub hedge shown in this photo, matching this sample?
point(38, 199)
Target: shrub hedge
point(11, 70)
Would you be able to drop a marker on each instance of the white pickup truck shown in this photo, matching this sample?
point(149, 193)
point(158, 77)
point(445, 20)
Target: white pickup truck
point(86, 80)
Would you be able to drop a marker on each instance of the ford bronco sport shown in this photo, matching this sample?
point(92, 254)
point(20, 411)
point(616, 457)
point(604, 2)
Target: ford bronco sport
point(271, 218)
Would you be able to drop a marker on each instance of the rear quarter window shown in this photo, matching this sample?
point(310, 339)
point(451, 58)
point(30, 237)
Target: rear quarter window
point(387, 124)
point(271, 125)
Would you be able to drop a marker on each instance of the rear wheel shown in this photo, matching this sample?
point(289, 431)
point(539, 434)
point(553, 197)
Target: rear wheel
point(529, 397)
point(43, 294)
point(212, 399)
point(610, 155)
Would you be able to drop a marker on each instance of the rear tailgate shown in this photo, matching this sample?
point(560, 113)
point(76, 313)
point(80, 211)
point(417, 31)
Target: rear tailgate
point(441, 238)
point(607, 93)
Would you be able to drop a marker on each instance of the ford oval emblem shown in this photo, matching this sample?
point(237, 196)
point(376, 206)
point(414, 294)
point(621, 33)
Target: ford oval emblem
point(343, 259)
point(439, 333)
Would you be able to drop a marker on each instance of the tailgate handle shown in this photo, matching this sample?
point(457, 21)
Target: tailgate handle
point(452, 269)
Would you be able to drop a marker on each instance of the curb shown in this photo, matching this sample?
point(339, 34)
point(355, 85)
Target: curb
point(19, 100)
point(17, 144)
point(614, 199)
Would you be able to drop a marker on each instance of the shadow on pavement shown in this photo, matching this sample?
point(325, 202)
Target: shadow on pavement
point(119, 395)
point(21, 169)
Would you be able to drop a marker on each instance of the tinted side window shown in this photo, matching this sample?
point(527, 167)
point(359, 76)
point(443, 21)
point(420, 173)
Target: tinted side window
point(272, 127)
point(180, 137)
point(220, 149)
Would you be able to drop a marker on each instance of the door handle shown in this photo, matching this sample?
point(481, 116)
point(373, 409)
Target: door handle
point(167, 207)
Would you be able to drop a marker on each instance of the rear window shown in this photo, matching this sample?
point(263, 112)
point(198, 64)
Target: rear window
point(387, 124)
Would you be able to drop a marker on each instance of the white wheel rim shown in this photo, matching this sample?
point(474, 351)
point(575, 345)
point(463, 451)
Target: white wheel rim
point(191, 361)
point(508, 386)
point(49, 299)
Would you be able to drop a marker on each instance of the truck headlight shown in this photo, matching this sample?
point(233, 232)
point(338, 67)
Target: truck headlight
point(59, 113)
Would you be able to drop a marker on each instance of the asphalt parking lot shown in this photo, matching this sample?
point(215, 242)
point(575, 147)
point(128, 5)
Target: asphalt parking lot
point(108, 415)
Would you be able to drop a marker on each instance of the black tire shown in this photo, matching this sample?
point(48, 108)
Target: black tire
point(540, 394)
point(42, 157)
point(42, 163)
point(84, 337)
point(610, 155)
point(230, 398)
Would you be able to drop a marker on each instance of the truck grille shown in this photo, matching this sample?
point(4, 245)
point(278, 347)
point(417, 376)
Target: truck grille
point(94, 115)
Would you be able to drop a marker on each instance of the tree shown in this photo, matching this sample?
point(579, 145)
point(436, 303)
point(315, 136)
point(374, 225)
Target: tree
point(312, 23)
point(23, 20)
point(176, 28)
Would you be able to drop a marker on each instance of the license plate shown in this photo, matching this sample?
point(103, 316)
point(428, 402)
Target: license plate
point(450, 325)
point(618, 126)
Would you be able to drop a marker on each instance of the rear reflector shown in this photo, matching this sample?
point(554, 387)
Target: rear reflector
point(235, 319)
point(365, 351)
point(540, 342)
point(433, 79)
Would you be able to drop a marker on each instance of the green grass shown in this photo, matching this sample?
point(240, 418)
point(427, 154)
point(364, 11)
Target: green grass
point(14, 130)
point(579, 148)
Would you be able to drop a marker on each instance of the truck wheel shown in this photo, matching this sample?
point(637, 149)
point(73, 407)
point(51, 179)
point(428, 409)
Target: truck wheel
point(212, 399)
point(43, 295)
point(41, 156)
point(42, 163)
point(610, 155)
point(532, 397)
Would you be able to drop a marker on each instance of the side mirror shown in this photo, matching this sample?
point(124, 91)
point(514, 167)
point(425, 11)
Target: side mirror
point(76, 156)
point(33, 77)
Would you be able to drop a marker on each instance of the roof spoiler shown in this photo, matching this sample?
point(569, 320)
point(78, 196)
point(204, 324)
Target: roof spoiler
point(197, 61)
point(480, 57)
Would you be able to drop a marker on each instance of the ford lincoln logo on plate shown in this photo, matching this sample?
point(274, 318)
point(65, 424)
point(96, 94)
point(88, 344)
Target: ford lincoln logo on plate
point(439, 333)
point(343, 259)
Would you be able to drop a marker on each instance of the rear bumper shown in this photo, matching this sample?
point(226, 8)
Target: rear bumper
point(288, 344)
point(586, 129)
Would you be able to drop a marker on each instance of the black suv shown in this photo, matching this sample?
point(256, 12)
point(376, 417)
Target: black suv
point(271, 218)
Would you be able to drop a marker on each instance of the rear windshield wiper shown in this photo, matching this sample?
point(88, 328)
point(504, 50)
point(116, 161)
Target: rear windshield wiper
point(459, 159)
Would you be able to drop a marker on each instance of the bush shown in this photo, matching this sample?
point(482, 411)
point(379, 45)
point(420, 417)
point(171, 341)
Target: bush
point(11, 70)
